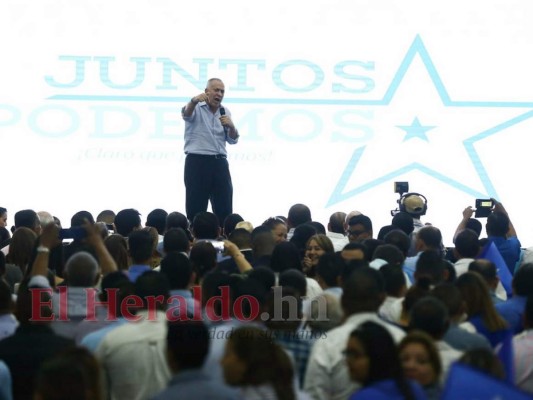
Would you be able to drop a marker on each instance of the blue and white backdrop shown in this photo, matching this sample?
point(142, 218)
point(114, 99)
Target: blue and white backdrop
point(335, 100)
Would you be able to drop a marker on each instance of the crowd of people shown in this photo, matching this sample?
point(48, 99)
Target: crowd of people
point(167, 308)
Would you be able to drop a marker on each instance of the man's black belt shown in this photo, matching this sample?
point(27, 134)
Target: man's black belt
point(217, 156)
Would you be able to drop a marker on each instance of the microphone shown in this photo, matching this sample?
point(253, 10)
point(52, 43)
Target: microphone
point(222, 113)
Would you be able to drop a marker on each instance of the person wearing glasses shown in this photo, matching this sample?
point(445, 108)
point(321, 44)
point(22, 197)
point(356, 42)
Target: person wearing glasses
point(359, 228)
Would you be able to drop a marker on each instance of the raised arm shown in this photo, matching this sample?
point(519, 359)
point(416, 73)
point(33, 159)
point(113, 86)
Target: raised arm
point(233, 251)
point(191, 105)
point(106, 261)
point(499, 207)
point(48, 240)
point(467, 214)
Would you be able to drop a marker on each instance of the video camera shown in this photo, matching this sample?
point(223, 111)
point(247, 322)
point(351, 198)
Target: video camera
point(412, 203)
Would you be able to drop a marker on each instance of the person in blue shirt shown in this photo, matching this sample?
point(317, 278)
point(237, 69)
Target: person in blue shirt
point(208, 127)
point(501, 232)
point(373, 361)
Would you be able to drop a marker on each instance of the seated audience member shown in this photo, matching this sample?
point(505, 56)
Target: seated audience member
point(402, 307)
point(176, 240)
point(5, 238)
point(205, 226)
point(116, 285)
point(133, 354)
point(403, 221)
point(140, 248)
point(336, 230)
point(278, 227)
point(456, 336)
point(421, 362)
point(488, 272)
point(229, 224)
point(108, 218)
point(157, 219)
point(359, 228)
point(325, 313)
point(430, 316)
point(387, 254)
point(8, 322)
point(299, 214)
point(187, 349)
point(203, 258)
point(430, 265)
point(385, 230)
point(265, 276)
point(82, 272)
point(71, 374)
point(373, 362)
point(284, 308)
point(28, 219)
point(285, 256)
point(395, 288)
point(4, 232)
point(247, 225)
point(328, 273)
point(523, 351)
point(79, 243)
point(480, 309)
point(180, 275)
point(258, 366)
point(114, 288)
point(316, 246)
point(484, 361)
point(295, 279)
point(32, 343)
point(127, 221)
point(327, 374)
point(117, 246)
point(399, 239)
point(263, 244)
point(20, 251)
point(371, 246)
point(466, 250)
point(428, 238)
point(243, 240)
point(156, 257)
point(177, 220)
point(512, 310)
point(354, 251)
point(302, 234)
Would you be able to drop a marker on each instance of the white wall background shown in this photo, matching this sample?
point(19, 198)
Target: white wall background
point(311, 85)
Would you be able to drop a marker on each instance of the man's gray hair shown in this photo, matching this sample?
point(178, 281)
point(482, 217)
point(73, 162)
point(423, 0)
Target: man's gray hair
point(81, 270)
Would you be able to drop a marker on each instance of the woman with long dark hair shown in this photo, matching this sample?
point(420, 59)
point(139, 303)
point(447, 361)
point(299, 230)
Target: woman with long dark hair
point(373, 361)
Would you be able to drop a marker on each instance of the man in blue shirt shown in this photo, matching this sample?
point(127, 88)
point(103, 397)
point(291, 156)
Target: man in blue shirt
point(501, 232)
point(208, 126)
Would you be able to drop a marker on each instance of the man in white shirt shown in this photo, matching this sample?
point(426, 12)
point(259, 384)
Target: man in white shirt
point(133, 354)
point(327, 376)
point(336, 230)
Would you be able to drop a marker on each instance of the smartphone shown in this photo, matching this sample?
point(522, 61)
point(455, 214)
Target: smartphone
point(483, 208)
point(218, 245)
point(76, 233)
